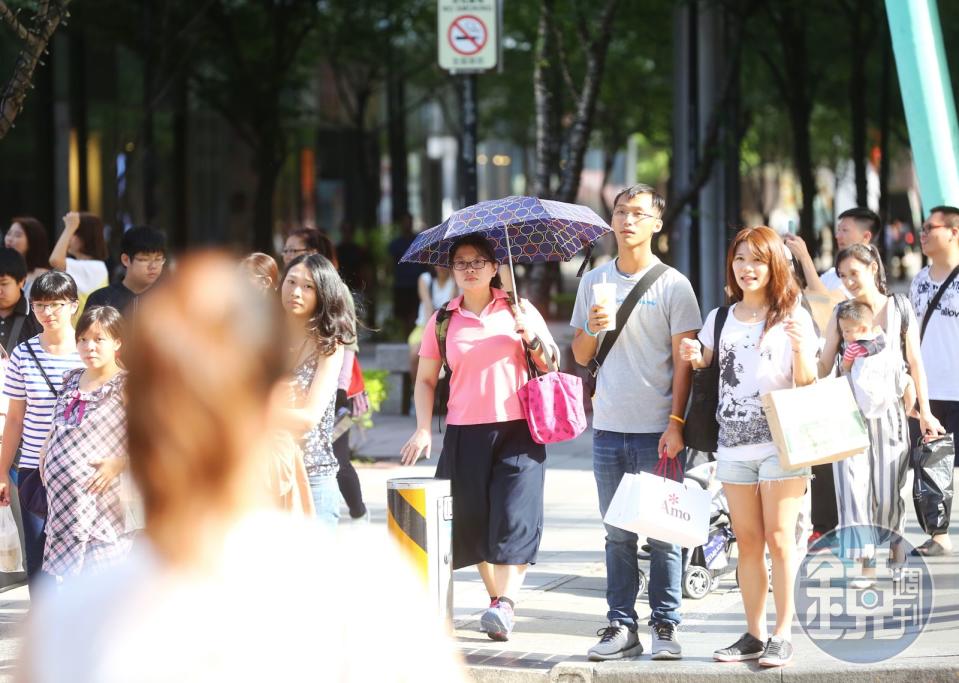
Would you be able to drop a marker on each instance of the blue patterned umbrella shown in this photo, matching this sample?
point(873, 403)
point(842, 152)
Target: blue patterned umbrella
point(522, 230)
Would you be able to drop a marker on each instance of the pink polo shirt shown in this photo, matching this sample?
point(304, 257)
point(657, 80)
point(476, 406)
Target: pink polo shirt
point(487, 359)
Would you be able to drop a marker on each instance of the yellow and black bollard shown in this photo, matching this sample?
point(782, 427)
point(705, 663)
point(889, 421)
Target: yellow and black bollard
point(420, 518)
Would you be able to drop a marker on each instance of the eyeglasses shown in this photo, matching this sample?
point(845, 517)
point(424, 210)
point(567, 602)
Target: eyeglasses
point(291, 252)
point(638, 215)
point(929, 227)
point(477, 264)
point(48, 308)
point(159, 261)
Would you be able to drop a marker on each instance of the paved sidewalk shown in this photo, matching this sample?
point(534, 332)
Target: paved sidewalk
point(564, 598)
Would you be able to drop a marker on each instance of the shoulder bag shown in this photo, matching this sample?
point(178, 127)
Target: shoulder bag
point(701, 431)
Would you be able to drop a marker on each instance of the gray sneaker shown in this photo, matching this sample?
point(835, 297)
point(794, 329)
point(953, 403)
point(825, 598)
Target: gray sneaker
point(778, 652)
point(665, 645)
point(616, 641)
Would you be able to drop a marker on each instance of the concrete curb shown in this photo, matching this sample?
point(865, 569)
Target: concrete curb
point(691, 671)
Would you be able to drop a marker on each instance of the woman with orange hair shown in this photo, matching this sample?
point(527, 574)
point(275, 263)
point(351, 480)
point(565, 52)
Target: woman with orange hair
point(204, 352)
point(766, 343)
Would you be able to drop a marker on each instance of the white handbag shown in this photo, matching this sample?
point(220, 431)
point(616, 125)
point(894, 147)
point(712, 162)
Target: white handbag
point(657, 507)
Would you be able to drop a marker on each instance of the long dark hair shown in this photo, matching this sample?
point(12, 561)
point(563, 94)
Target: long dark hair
point(482, 245)
point(38, 246)
point(90, 233)
point(334, 320)
point(866, 254)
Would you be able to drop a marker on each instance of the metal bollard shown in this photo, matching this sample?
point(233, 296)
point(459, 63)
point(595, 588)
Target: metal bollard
point(420, 518)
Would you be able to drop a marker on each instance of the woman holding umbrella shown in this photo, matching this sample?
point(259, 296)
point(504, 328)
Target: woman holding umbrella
point(495, 467)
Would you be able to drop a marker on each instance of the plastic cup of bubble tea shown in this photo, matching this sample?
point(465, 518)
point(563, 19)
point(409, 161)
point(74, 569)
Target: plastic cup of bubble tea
point(604, 295)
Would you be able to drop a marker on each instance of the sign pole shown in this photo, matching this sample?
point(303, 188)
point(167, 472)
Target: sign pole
point(469, 116)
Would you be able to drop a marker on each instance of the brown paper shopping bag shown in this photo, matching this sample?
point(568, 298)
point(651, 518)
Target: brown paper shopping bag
point(816, 424)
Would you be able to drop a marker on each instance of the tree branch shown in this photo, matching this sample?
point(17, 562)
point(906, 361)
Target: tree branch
point(11, 19)
point(15, 92)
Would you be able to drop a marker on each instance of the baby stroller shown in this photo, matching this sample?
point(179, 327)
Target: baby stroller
point(703, 566)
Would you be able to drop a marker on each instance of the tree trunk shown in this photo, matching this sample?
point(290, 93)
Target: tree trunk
point(857, 108)
point(884, 103)
point(78, 113)
point(148, 145)
point(268, 172)
point(545, 99)
point(802, 155)
point(586, 107)
point(180, 236)
point(396, 127)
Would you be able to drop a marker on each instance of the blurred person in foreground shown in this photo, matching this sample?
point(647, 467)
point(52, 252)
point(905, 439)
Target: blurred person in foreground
point(179, 608)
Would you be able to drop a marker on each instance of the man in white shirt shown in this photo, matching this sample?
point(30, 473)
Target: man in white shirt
point(940, 243)
point(855, 226)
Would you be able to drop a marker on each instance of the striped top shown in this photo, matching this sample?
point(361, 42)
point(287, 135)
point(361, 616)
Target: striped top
point(25, 382)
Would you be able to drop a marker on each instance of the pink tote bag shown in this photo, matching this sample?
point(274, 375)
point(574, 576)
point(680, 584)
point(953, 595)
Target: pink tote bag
point(553, 404)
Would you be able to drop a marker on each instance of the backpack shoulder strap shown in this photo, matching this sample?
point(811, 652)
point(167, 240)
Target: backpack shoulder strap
point(443, 317)
point(934, 304)
point(622, 315)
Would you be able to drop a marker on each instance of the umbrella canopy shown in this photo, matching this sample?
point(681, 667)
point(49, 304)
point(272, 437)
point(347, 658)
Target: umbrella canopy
point(521, 229)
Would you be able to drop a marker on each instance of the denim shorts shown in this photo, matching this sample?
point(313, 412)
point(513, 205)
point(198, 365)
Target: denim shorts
point(755, 471)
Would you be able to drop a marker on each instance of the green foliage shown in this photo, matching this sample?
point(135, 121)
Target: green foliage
point(377, 389)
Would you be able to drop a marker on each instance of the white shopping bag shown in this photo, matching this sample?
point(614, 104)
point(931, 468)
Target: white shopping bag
point(11, 556)
point(653, 506)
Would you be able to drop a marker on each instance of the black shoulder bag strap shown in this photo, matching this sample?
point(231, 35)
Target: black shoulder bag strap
point(622, 315)
point(934, 304)
point(718, 323)
point(14, 334)
point(43, 372)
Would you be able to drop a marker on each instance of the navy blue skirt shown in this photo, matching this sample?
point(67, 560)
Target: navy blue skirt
point(496, 474)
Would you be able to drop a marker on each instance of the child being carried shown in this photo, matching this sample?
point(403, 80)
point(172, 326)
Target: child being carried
point(876, 383)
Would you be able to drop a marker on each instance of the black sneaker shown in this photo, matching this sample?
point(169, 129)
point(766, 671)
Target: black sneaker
point(778, 652)
point(747, 647)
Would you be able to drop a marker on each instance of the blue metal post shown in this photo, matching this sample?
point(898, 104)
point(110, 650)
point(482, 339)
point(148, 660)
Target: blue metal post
point(927, 98)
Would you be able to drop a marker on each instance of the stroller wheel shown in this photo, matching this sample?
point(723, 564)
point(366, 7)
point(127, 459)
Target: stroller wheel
point(643, 583)
point(697, 582)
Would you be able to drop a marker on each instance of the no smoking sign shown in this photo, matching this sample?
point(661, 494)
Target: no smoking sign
point(467, 34)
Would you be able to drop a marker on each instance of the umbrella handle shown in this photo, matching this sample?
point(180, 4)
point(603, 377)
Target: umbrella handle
point(512, 275)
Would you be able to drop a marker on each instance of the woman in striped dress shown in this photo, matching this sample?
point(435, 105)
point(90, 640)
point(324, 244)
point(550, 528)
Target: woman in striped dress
point(869, 486)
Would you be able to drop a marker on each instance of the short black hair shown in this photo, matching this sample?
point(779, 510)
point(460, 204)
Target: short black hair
point(482, 245)
point(866, 218)
point(142, 239)
point(658, 201)
point(52, 286)
point(855, 311)
point(12, 264)
point(107, 317)
point(950, 212)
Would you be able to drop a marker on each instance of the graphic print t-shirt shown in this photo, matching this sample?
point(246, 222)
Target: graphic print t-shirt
point(939, 355)
point(750, 365)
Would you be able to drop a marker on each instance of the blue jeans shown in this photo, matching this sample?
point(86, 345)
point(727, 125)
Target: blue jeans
point(326, 498)
point(615, 454)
